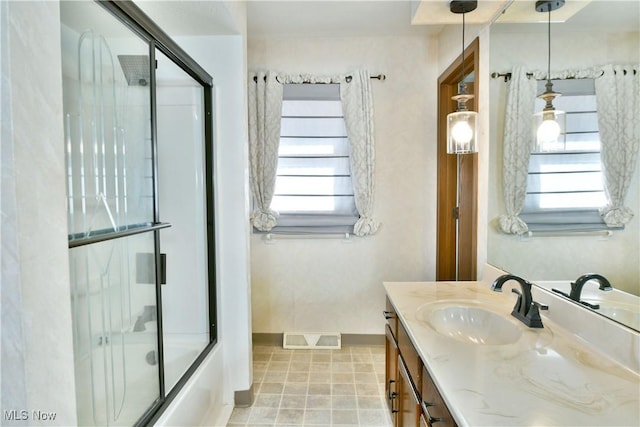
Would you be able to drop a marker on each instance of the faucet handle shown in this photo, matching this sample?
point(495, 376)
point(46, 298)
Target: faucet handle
point(558, 291)
point(591, 306)
point(533, 316)
point(540, 305)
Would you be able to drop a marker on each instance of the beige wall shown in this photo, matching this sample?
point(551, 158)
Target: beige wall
point(562, 257)
point(326, 285)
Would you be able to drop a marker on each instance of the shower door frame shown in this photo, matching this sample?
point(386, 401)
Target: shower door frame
point(134, 18)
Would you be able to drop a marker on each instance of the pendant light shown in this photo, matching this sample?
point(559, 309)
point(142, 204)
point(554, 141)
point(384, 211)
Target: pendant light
point(462, 129)
point(549, 123)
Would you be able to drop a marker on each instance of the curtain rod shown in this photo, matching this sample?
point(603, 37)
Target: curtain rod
point(270, 238)
point(380, 77)
point(560, 233)
point(507, 76)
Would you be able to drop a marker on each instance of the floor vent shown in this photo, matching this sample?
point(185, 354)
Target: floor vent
point(319, 340)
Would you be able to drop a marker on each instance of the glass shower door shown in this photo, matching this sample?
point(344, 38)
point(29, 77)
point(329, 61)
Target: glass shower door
point(110, 204)
point(139, 147)
point(182, 202)
point(114, 343)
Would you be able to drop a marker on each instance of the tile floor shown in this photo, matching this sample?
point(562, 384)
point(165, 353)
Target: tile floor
point(316, 388)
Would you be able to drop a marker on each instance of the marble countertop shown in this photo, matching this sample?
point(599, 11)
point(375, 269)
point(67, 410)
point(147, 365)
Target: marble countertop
point(548, 377)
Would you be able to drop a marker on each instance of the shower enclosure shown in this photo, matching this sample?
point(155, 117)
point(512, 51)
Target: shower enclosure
point(138, 144)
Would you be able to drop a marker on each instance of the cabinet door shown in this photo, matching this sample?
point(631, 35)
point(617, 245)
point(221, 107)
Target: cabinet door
point(409, 409)
point(435, 410)
point(391, 373)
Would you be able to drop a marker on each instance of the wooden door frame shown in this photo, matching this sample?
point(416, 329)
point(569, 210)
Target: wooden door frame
point(467, 235)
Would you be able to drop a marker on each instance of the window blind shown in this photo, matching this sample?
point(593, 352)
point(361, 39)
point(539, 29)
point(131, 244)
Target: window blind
point(314, 190)
point(564, 187)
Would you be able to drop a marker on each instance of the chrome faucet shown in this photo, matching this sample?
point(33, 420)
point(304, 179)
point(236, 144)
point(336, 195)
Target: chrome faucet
point(576, 287)
point(149, 314)
point(526, 310)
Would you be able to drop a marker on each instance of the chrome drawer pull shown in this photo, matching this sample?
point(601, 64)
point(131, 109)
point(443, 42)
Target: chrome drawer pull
point(393, 398)
point(432, 420)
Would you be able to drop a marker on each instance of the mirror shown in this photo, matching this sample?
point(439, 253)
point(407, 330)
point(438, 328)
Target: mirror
point(599, 32)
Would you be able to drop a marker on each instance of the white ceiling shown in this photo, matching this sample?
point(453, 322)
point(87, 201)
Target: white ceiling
point(524, 12)
point(190, 17)
point(376, 17)
point(352, 17)
point(330, 18)
point(437, 12)
point(594, 15)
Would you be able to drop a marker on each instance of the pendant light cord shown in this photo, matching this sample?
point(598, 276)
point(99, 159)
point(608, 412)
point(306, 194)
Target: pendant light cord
point(549, 46)
point(462, 68)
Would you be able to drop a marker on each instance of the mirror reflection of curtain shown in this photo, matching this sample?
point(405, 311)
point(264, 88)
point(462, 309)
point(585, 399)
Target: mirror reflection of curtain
point(521, 91)
point(618, 99)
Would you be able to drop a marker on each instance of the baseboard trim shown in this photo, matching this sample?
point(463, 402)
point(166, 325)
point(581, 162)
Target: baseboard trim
point(363, 339)
point(267, 339)
point(260, 338)
point(243, 398)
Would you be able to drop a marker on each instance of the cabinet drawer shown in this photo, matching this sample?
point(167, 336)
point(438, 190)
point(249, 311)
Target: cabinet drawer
point(392, 318)
point(435, 410)
point(410, 357)
point(409, 410)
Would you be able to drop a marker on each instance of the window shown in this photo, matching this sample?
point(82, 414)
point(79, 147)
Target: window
point(313, 191)
point(565, 188)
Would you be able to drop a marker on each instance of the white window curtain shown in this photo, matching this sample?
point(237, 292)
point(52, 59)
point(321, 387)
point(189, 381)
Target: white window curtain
point(521, 92)
point(265, 109)
point(618, 99)
point(357, 104)
point(265, 105)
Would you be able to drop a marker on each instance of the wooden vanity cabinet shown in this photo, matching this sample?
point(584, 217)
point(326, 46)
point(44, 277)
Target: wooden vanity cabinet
point(412, 397)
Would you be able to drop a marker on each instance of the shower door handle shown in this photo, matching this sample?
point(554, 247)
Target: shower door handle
point(163, 269)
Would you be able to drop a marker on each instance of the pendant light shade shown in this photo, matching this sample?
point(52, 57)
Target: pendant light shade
point(548, 124)
point(550, 128)
point(462, 125)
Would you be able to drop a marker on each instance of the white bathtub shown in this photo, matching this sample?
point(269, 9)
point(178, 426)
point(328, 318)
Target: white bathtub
point(201, 401)
point(124, 381)
point(114, 382)
point(179, 353)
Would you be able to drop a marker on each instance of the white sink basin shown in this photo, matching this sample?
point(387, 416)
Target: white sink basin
point(470, 323)
point(620, 312)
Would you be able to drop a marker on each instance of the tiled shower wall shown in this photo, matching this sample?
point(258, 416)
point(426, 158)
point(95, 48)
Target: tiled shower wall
point(36, 314)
